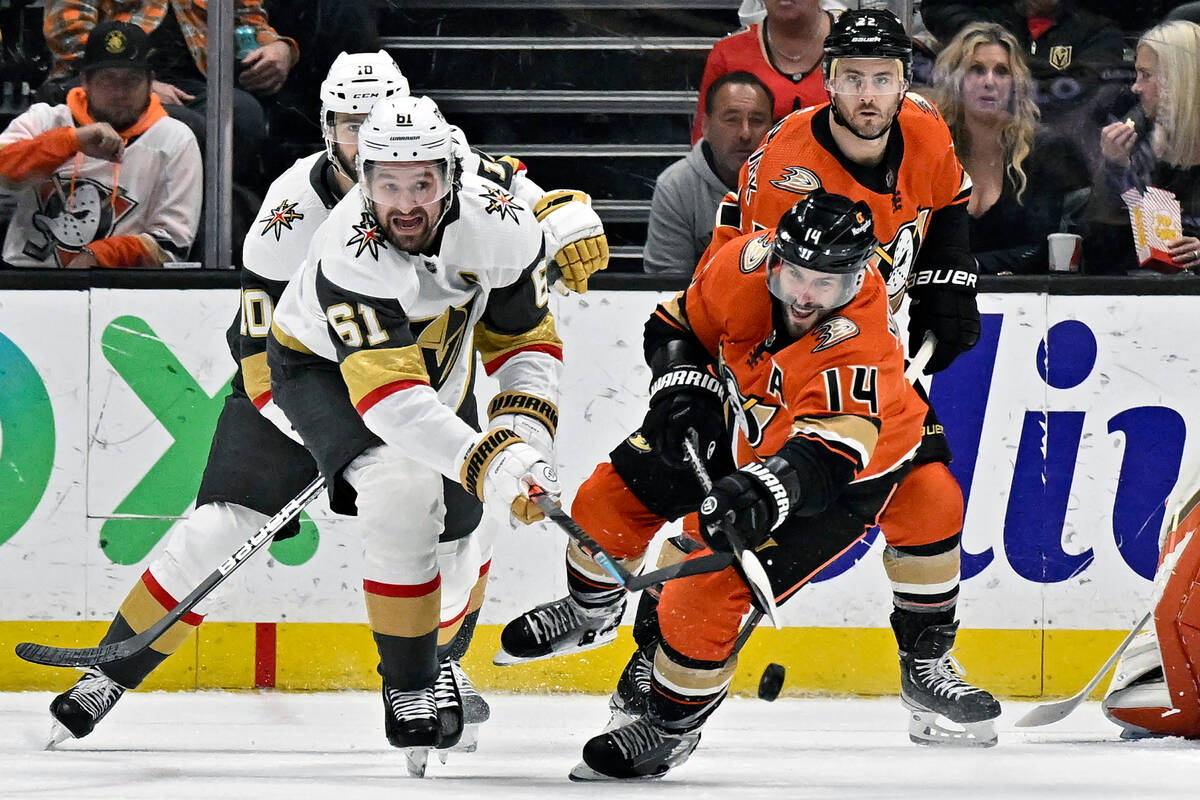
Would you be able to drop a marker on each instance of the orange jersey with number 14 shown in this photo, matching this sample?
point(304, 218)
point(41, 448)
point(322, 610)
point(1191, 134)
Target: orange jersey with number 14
point(841, 384)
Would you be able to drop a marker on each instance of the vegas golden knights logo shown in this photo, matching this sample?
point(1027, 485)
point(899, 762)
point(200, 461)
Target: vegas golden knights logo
point(441, 340)
point(1060, 56)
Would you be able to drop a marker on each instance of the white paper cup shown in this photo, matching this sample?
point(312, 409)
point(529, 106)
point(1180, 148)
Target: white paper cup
point(1065, 249)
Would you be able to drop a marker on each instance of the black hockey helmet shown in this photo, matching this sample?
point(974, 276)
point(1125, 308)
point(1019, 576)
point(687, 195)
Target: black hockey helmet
point(868, 33)
point(824, 232)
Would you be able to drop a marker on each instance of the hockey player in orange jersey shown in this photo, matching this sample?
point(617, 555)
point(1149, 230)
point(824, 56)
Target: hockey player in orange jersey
point(877, 143)
point(790, 328)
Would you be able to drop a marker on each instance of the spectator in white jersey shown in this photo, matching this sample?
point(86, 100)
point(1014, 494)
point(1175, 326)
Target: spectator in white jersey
point(106, 179)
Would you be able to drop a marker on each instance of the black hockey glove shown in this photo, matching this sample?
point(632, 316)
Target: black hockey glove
point(681, 398)
point(943, 303)
point(754, 500)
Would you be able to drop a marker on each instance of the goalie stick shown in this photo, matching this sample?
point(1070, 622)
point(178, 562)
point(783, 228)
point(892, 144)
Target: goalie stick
point(116, 651)
point(744, 560)
point(630, 582)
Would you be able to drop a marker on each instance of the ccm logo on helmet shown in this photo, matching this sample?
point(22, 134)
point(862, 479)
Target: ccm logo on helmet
point(363, 95)
point(952, 277)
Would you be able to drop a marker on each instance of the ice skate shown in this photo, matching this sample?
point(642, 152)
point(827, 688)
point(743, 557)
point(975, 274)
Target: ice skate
point(78, 710)
point(449, 709)
point(560, 628)
point(410, 720)
point(638, 750)
point(475, 710)
point(932, 688)
point(629, 700)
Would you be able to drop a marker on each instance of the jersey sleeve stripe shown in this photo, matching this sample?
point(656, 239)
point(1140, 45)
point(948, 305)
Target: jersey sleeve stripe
point(496, 348)
point(287, 340)
point(256, 376)
point(371, 375)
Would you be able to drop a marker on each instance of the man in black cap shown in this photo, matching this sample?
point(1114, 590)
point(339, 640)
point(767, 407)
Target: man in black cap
point(109, 179)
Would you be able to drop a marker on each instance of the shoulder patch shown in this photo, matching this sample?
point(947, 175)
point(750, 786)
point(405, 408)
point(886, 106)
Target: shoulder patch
point(832, 331)
point(367, 236)
point(502, 203)
point(755, 252)
point(800, 180)
point(923, 104)
point(280, 218)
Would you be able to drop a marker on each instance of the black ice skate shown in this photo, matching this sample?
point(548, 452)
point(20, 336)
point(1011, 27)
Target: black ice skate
point(475, 710)
point(560, 628)
point(638, 750)
point(449, 708)
point(410, 720)
point(931, 685)
point(632, 695)
point(78, 710)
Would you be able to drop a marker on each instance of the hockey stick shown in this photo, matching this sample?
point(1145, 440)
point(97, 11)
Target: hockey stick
point(747, 564)
point(1053, 712)
point(916, 364)
point(116, 651)
point(630, 582)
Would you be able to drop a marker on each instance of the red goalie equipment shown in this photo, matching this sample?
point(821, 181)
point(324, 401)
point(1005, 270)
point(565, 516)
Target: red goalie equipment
point(1140, 699)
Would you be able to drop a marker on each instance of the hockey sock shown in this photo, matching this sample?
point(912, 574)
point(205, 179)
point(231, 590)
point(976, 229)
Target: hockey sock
point(590, 586)
point(686, 691)
point(130, 672)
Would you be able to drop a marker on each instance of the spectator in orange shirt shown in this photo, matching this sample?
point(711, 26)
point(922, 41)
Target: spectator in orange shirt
point(784, 51)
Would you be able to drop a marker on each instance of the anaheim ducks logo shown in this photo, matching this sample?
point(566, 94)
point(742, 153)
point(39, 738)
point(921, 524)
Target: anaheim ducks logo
point(921, 103)
point(896, 258)
point(441, 340)
point(755, 253)
point(751, 413)
point(832, 331)
point(800, 180)
point(638, 442)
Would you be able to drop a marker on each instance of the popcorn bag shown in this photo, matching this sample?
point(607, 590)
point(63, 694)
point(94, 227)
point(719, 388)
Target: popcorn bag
point(1155, 218)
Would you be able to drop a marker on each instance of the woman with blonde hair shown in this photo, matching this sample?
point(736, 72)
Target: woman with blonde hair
point(1168, 155)
point(1022, 173)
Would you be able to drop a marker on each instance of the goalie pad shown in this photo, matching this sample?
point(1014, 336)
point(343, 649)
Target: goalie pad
point(1156, 686)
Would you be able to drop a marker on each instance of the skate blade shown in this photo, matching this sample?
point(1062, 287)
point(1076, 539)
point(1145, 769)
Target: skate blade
point(585, 774)
point(469, 741)
point(503, 658)
point(927, 728)
point(58, 735)
point(416, 759)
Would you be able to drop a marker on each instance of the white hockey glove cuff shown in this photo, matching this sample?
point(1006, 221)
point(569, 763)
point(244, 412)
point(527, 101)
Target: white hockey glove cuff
point(500, 468)
point(533, 418)
point(574, 234)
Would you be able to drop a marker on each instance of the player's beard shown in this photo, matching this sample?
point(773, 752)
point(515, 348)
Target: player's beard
point(411, 231)
point(867, 126)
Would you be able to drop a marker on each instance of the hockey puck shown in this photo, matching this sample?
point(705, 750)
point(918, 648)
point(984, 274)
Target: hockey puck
point(771, 682)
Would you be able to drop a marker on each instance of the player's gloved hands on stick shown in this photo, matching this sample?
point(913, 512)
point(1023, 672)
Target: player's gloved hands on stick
point(751, 500)
point(684, 398)
point(574, 234)
point(948, 310)
point(500, 468)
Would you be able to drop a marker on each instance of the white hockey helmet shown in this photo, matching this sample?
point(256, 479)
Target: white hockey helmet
point(354, 83)
point(408, 129)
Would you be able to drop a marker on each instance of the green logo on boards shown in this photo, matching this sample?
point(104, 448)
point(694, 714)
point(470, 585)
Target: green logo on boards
point(26, 439)
point(189, 415)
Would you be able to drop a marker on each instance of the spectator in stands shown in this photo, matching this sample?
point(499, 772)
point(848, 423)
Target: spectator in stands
point(1022, 173)
point(737, 114)
point(179, 41)
point(1167, 155)
point(784, 51)
point(107, 179)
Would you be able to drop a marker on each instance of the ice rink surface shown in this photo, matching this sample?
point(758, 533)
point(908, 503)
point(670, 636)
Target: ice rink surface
point(286, 745)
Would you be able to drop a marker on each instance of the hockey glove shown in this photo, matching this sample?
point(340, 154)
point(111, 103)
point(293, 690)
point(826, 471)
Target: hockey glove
point(500, 468)
point(754, 500)
point(574, 235)
point(684, 398)
point(533, 418)
point(943, 303)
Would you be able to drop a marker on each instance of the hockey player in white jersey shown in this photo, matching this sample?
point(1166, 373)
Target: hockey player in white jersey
point(371, 358)
point(253, 468)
